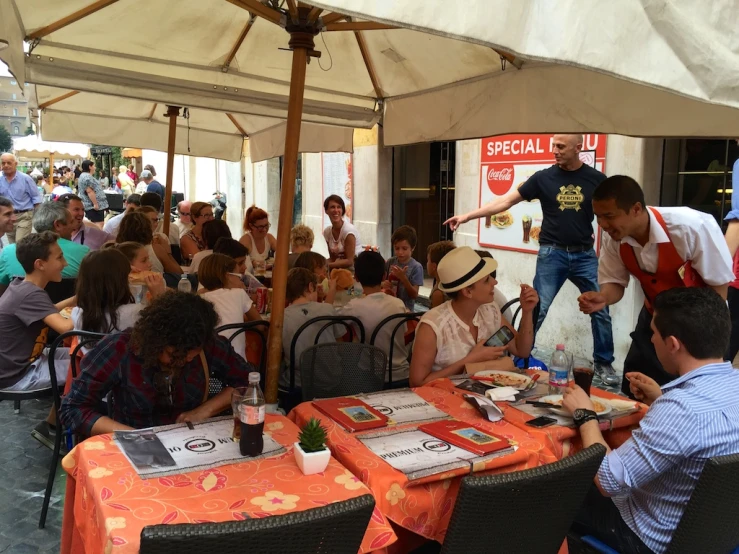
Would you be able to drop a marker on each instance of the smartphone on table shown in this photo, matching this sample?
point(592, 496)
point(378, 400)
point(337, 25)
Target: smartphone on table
point(542, 421)
point(502, 336)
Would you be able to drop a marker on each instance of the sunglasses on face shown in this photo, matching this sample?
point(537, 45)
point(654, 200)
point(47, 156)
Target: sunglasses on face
point(185, 213)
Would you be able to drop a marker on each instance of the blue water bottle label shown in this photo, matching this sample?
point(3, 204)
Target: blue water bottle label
point(558, 377)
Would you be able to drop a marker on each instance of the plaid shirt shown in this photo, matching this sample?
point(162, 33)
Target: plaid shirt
point(137, 401)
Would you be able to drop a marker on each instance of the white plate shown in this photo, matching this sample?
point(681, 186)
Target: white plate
point(521, 381)
point(552, 398)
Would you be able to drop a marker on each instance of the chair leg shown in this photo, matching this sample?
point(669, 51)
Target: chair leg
point(52, 474)
point(16, 407)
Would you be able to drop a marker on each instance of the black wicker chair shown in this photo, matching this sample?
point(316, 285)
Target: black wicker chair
point(341, 369)
point(249, 328)
point(508, 497)
point(399, 320)
point(349, 322)
point(333, 529)
point(509, 305)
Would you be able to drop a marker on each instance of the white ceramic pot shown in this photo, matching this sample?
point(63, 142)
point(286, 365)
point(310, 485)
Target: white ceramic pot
point(311, 462)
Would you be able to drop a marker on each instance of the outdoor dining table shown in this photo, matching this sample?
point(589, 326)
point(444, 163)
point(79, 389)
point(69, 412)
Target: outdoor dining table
point(424, 506)
point(561, 440)
point(107, 504)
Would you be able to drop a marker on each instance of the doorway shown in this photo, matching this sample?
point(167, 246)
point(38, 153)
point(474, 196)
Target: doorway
point(423, 191)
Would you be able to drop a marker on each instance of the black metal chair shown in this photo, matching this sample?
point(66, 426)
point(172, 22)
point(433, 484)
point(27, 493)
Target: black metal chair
point(85, 339)
point(400, 320)
point(250, 327)
point(341, 369)
point(507, 498)
point(333, 529)
point(115, 202)
point(331, 320)
point(508, 305)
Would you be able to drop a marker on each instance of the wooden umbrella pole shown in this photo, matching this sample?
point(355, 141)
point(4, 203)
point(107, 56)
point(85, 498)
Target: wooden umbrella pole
point(172, 113)
point(301, 43)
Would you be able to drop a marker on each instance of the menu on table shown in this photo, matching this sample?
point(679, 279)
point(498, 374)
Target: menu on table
point(403, 406)
point(418, 454)
point(172, 449)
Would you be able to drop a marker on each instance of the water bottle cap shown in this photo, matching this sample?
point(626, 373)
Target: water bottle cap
point(560, 347)
point(253, 377)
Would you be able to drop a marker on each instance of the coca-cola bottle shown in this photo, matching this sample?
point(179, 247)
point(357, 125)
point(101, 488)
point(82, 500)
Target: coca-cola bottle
point(251, 413)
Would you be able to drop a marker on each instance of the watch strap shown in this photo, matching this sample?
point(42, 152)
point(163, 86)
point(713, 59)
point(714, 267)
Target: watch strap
point(589, 415)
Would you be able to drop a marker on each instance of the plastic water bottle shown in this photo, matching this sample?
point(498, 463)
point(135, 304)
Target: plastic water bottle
point(184, 284)
point(252, 410)
point(560, 371)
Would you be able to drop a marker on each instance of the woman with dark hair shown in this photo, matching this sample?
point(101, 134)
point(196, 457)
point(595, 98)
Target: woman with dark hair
point(341, 236)
point(157, 372)
point(92, 194)
point(192, 242)
point(258, 240)
point(212, 231)
point(138, 227)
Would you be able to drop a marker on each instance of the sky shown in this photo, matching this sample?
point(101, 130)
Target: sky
point(4, 70)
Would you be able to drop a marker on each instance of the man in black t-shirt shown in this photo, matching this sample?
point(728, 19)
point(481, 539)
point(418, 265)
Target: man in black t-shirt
point(566, 240)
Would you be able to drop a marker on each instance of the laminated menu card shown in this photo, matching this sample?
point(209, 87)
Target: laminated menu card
point(351, 413)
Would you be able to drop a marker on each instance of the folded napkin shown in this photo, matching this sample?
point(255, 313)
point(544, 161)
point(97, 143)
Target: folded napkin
point(487, 408)
point(502, 394)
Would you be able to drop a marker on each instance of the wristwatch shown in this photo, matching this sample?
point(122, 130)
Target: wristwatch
point(583, 416)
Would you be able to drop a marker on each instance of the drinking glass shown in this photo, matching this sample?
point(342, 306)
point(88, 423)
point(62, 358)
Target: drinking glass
point(583, 372)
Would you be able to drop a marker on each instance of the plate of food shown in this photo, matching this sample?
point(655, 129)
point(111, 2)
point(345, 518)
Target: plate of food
point(602, 407)
point(502, 220)
point(498, 378)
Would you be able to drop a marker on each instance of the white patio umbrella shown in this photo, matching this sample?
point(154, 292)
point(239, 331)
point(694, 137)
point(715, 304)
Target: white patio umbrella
point(32, 147)
point(219, 54)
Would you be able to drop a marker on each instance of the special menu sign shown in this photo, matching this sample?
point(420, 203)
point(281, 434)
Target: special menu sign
point(506, 162)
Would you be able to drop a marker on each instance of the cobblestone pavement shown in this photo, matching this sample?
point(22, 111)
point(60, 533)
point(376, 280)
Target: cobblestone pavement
point(25, 469)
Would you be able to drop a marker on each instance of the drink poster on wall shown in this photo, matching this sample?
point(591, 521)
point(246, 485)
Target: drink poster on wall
point(337, 179)
point(507, 161)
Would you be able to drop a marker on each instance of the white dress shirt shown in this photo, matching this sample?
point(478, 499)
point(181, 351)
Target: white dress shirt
point(696, 237)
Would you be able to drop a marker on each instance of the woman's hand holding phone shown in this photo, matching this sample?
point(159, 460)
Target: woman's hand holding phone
point(482, 353)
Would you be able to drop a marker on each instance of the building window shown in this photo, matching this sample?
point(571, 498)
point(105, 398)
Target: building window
point(697, 173)
point(15, 112)
point(14, 96)
point(16, 130)
point(13, 83)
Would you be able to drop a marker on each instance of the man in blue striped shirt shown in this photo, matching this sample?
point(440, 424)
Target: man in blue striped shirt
point(651, 477)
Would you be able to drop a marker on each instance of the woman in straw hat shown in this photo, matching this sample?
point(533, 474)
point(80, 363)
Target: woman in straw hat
point(454, 334)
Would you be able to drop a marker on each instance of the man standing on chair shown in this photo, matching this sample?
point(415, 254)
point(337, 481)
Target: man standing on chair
point(566, 239)
point(663, 248)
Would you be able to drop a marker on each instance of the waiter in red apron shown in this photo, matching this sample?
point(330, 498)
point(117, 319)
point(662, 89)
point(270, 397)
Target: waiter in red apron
point(662, 248)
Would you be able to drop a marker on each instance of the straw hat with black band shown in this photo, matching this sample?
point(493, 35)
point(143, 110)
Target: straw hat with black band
point(463, 267)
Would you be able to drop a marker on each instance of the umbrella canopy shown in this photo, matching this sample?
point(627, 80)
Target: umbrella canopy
point(32, 147)
point(118, 121)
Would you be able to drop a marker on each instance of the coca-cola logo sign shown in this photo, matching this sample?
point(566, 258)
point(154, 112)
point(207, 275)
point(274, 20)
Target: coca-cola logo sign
point(500, 178)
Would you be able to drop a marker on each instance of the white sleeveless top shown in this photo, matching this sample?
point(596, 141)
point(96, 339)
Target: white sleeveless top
point(453, 338)
point(156, 265)
point(254, 255)
point(336, 247)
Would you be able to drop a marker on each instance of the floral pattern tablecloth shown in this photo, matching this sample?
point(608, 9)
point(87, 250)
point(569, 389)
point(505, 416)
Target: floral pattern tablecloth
point(424, 506)
point(107, 504)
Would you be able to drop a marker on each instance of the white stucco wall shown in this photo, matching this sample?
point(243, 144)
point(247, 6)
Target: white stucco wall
point(639, 158)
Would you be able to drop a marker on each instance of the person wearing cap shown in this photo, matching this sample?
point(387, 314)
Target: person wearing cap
point(152, 185)
point(453, 334)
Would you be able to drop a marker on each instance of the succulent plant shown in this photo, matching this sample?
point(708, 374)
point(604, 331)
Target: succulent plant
point(312, 437)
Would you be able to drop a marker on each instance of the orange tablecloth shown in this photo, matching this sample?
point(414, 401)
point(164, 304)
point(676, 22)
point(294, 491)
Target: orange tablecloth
point(423, 506)
point(107, 504)
point(562, 441)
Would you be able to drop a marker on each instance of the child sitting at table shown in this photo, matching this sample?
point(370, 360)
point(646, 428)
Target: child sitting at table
point(403, 274)
point(234, 249)
point(374, 306)
point(302, 297)
point(141, 267)
point(318, 265)
point(232, 304)
point(434, 253)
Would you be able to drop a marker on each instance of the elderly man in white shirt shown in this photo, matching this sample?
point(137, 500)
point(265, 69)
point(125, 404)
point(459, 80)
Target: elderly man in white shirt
point(663, 248)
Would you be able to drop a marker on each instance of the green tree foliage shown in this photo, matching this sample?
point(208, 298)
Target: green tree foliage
point(6, 141)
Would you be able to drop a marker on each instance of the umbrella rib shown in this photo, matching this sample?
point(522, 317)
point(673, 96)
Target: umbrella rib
point(292, 8)
point(257, 8)
point(357, 26)
point(153, 109)
point(238, 44)
point(368, 64)
point(236, 124)
point(57, 99)
point(71, 18)
point(332, 18)
point(510, 58)
point(313, 14)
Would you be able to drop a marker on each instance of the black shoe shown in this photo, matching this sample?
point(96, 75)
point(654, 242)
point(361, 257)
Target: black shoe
point(45, 433)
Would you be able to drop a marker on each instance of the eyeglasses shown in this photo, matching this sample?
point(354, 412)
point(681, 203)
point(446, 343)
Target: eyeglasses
point(262, 227)
point(184, 213)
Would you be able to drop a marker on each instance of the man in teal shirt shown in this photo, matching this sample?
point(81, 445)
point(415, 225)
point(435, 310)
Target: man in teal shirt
point(49, 216)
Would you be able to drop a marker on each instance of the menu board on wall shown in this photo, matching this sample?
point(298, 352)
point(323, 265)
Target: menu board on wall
point(507, 161)
point(337, 179)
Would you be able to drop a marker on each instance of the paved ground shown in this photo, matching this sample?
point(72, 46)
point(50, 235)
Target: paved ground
point(25, 469)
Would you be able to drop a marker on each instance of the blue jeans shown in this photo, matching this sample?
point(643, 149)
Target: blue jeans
point(553, 268)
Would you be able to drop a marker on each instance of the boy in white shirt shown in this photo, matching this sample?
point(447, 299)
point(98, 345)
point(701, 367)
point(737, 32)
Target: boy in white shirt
point(376, 305)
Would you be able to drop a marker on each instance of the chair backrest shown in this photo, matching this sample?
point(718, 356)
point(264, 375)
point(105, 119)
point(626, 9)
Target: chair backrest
point(493, 512)
point(250, 328)
point(331, 320)
point(337, 528)
point(340, 369)
point(115, 201)
point(508, 305)
point(399, 321)
point(85, 338)
point(709, 523)
point(62, 290)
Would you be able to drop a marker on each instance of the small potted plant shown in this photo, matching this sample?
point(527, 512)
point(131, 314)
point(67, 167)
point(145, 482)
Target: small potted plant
point(311, 453)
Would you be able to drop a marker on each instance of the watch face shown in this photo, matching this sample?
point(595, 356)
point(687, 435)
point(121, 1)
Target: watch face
point(579, 414)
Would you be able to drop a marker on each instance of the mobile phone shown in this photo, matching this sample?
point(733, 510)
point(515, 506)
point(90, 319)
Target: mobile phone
point(501, 337)
point(542, 421)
